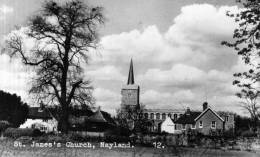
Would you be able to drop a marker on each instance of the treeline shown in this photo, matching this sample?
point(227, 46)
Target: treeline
point(245, 125)
point(12, 109)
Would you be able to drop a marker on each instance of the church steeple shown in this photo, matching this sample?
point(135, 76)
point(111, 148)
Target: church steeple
point(131, 74)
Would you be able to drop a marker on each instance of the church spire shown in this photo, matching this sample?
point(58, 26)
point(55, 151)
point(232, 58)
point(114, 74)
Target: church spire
point(131, 74)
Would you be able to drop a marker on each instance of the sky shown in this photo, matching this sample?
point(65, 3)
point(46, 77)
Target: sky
point(175, 46)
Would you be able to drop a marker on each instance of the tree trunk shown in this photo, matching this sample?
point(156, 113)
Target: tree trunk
point(63, 122)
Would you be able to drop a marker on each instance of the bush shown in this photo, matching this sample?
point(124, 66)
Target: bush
point(19, 132)
point(248, 133)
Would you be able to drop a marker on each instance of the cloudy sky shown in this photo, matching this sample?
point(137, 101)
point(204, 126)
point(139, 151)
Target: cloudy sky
point(175, 46)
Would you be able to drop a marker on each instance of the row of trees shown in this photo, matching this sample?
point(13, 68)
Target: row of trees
point(12, 109)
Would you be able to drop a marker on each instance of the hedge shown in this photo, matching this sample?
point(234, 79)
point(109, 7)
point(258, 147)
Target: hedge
point(18, 132)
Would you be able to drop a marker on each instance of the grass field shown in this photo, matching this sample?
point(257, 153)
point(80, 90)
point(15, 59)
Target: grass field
point(7, 149)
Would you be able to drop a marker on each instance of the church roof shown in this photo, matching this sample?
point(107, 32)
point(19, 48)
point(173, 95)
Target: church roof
point(188, 118)
point(38, 113)
point(131, 80)
point(162, 110)
point(101, 116)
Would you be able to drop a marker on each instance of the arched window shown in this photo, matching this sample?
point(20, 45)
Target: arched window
point(157, 115)
point(152, 115)
point(163, 116)
point(146, 115)
point(175, 116)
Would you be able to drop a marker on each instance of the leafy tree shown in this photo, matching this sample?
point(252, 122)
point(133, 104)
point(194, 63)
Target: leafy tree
point(133, 119)
point(247, 45)
point(63, 34)
point(12, 109)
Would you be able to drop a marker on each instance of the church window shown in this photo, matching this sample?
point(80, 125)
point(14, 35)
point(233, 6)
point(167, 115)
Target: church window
point(183, 126)
point(163, 116)
point(152, 115)
point(175, 127)
point(175, 116)
point(146, 115)
point(157, 115)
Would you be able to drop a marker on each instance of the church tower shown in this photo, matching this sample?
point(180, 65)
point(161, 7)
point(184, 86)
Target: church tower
point(130, 92)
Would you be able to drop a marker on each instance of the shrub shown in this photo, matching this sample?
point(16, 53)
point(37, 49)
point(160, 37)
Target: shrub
point(248, 133)
point(18, 132)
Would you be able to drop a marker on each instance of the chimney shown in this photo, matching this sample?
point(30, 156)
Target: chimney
point(41, 108)
point(205, 106)
point(188, 111)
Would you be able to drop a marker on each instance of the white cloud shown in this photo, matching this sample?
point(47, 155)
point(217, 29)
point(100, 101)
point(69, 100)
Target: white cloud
point(173, 66)
point(105, 73)
point(14, 77)
point(150, 99)
point(178, 75)
point(107, 99)
point(4, 9)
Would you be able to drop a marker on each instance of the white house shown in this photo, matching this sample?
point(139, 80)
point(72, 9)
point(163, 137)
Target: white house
point(40, 118)
point(169, 126)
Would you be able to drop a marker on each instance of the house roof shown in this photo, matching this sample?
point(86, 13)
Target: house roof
point(188, 118)
point(208, 109)
point(101, 116)
point(38, 113)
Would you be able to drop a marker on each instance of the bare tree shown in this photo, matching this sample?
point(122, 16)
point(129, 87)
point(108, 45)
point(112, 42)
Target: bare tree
point(251, 105)
point(63, 34)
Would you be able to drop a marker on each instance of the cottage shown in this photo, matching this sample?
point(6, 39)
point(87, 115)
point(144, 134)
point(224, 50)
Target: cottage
point(99, 123)
point(40, 118)
point(187, 120)
point(205, 122)
point(169, 126)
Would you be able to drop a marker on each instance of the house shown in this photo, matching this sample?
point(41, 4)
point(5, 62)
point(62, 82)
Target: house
point(40, 118)
point(169, 126)
point(187, 120)
point(100, 123)
point(205, 122)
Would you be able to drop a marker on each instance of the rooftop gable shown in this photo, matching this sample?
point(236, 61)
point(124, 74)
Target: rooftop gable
point(188, 118)
point(205, 111)
point(38, 113)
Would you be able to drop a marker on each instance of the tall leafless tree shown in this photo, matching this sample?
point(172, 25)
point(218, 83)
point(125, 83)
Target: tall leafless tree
point(64, 34)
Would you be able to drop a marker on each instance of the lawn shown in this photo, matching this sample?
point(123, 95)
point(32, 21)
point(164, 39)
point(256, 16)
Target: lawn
point(7, 149)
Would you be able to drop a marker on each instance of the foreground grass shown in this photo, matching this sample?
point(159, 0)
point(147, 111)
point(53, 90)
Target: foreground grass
point(7, 149)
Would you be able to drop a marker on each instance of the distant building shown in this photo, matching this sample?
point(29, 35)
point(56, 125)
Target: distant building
point(100, 124)
point(40, 118)
point(131, 98)
point(130, 92)
point(157, 116)
point(175, 120)
point(205, 122)
point(169, 126)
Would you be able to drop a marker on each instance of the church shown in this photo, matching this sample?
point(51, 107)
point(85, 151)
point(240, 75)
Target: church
point(131, 98)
